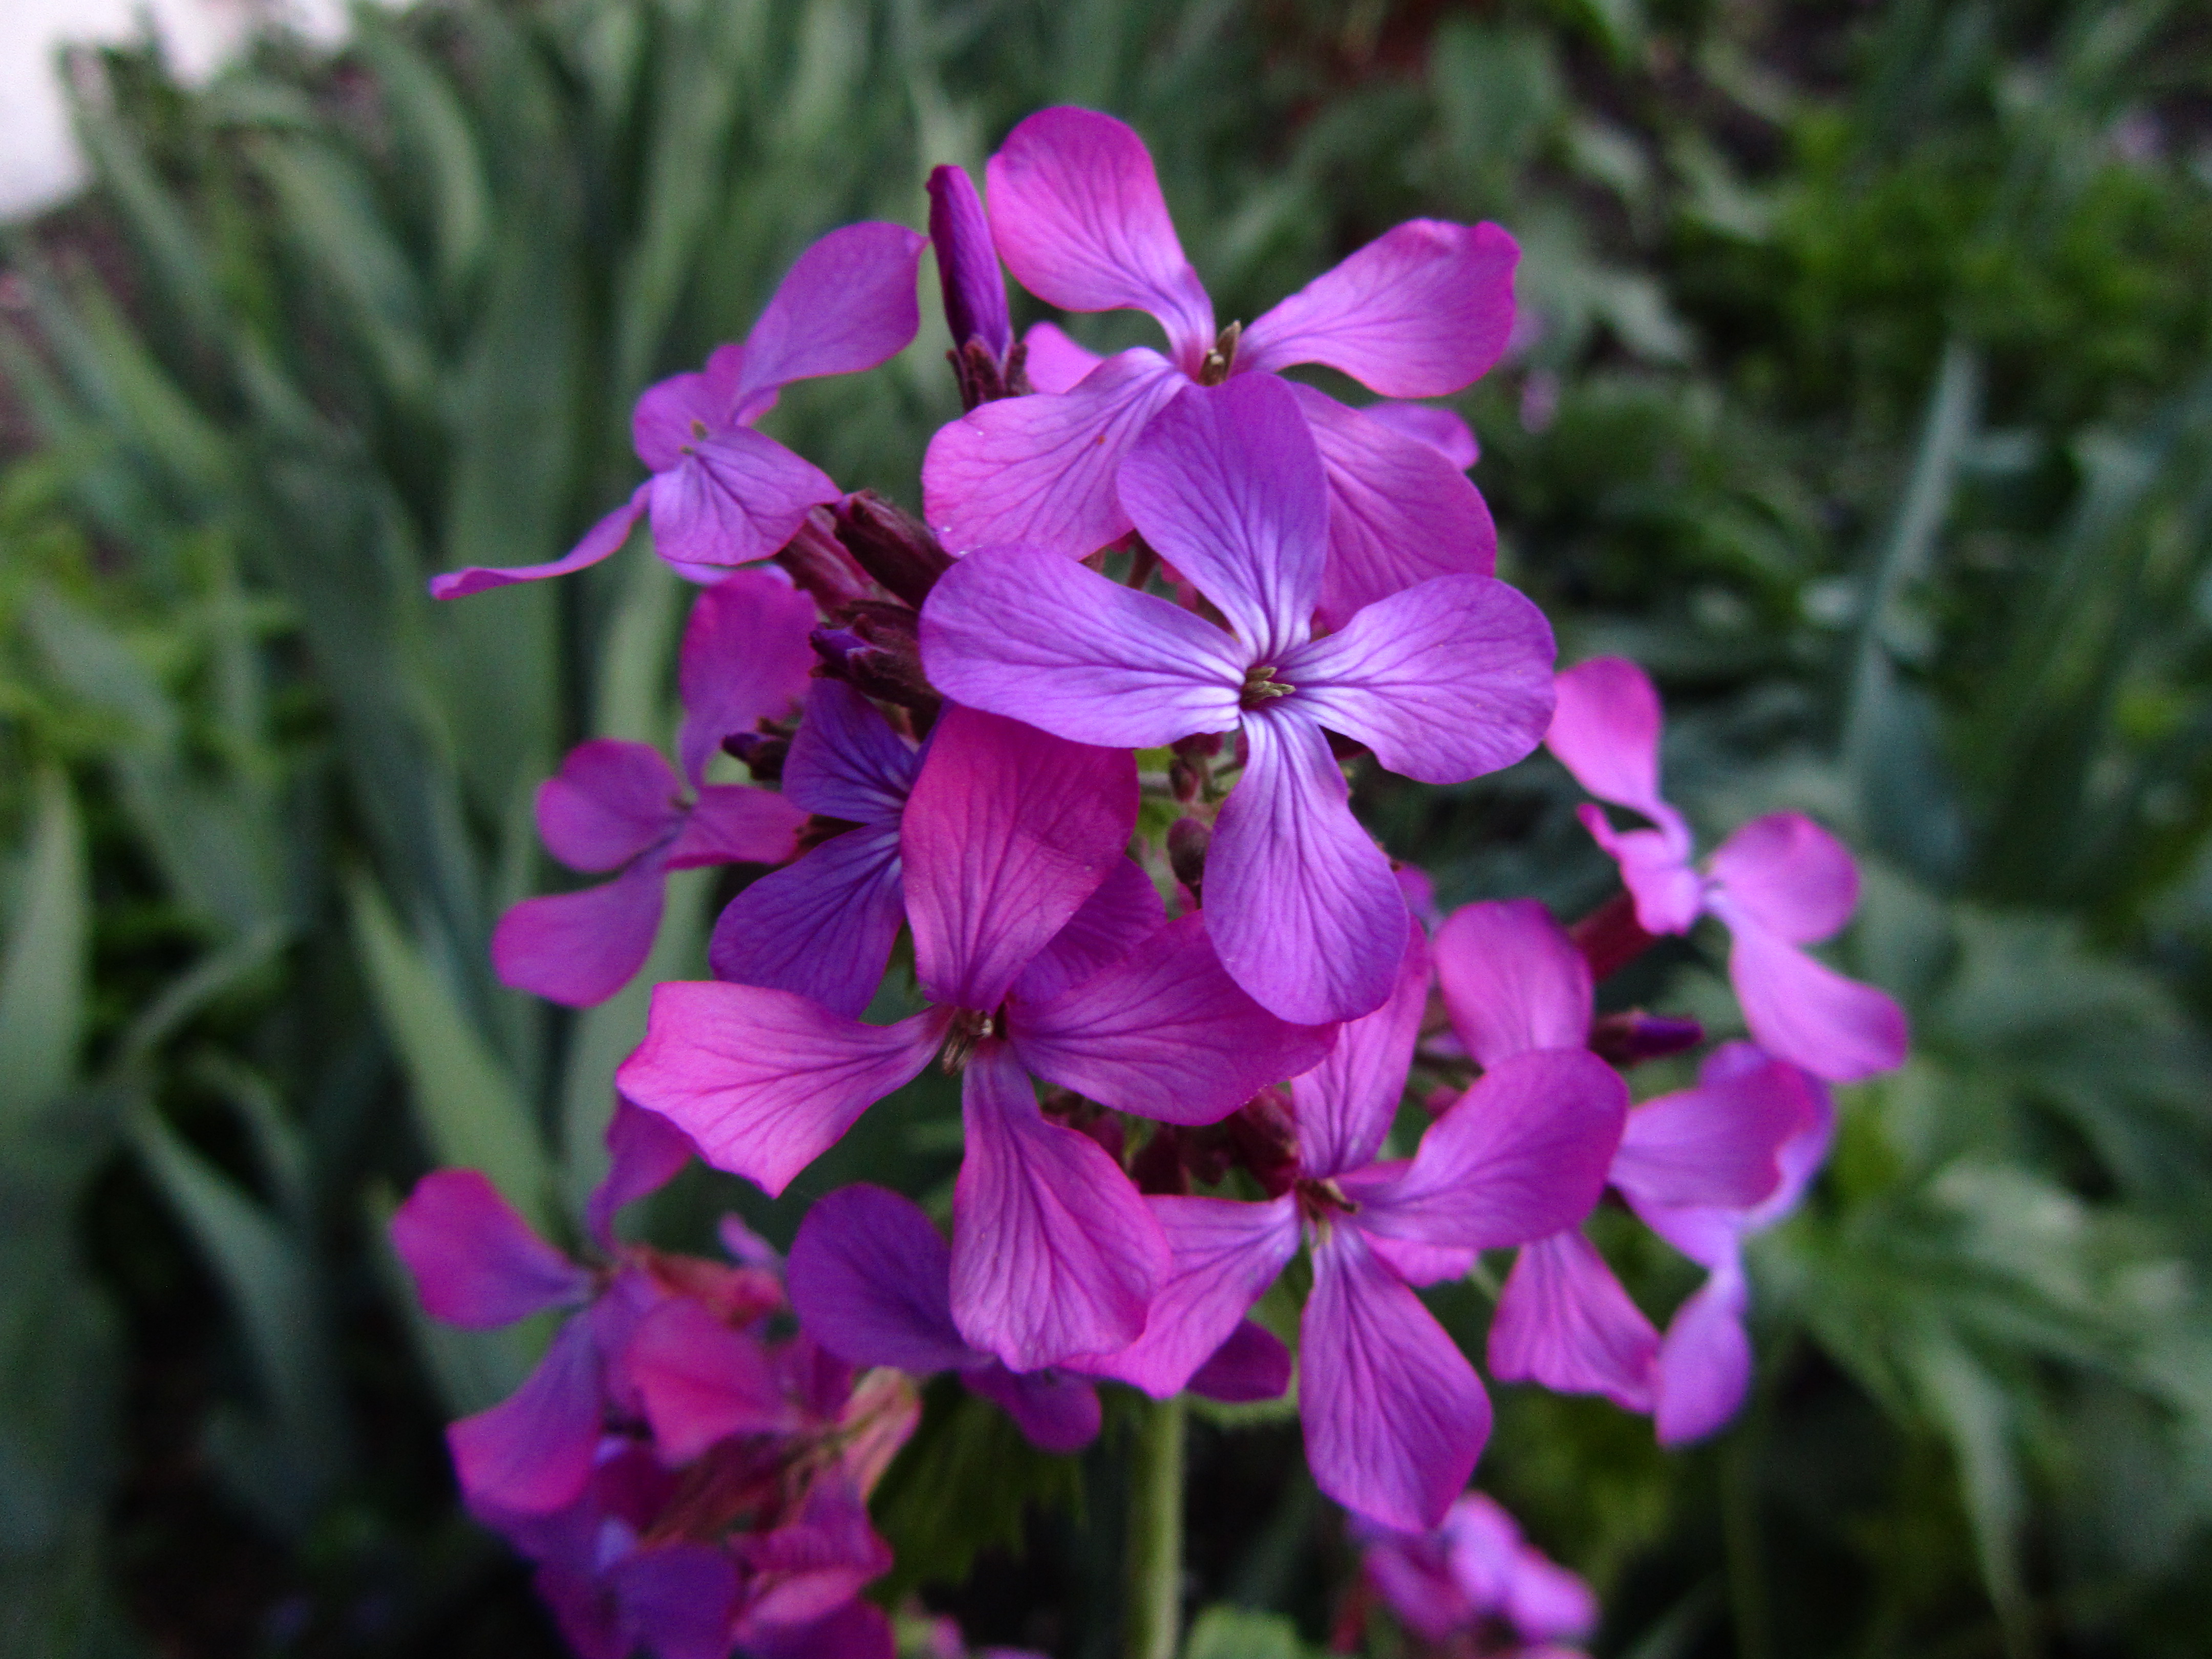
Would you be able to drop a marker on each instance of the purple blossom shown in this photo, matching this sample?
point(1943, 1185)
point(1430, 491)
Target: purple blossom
point(1779, 883)
point(1444, 681)
point(1474, 1570)
point(1077, 216)
point(720, 492)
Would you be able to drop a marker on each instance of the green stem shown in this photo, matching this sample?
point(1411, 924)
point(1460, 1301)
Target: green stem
point(1153, 1610)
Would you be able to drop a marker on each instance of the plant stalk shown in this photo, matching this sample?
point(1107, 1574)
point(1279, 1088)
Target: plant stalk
point(1151, 1616)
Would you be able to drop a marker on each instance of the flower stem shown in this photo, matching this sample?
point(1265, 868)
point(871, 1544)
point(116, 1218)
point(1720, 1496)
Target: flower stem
point(1151, 1612)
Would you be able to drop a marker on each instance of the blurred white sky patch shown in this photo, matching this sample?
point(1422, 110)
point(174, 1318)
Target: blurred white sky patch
point(39, 164)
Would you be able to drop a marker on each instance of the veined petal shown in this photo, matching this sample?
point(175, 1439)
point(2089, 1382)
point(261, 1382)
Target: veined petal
point(1055, 362)
point(1057, 1413)
point(531, 1453)
point(1605, 730)
point(1165, 1033)
point(699, 1381)
point(736, 497)
point(1400, 510)
point(1224, 1257)
point(1512, 979)
point(1716, 1144)
point(1077, 211)
point(1421, 312)
point(1054, 1254)
point(601, 540)
point(1444, 681)
point(1299, 900)
point(736, 824)
point(870, 1281)
point(1345, 1105)
point(1519, 1155)
point(608, 803)
point(1563, 1320)
point(846, 304)
point(668, 414)
point(578, 949)
point(1788, 875)
point(846, 762)
point(1125, 911)
point(823, 926)
point(745, 658)
point(476, 1263)
point(1802, 1011)
point(1394, 1416)
point(967, 264)
point(1441, 430)
point(1007, 832)
point(644, 1152)
point(1227, 485)
point(1031, 633)
point(1040, 469)
point(1705, 1361)
point(763, 1081)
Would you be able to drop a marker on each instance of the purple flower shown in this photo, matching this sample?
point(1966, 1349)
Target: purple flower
point(1472, 1569)
point(1444, 680)
point(1778, 883)
point(1043, 951)
point(720, 494)
point(1394, 1416)
point(1077, 216)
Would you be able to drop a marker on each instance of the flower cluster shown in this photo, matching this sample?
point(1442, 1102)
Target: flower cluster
point(1472, 1586)
point(1082, 740)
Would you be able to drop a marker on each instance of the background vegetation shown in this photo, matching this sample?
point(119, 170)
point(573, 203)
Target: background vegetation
point(1871, 408)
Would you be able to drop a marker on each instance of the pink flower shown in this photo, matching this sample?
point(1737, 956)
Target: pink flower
point(1473, 1570)
point(1077, 216)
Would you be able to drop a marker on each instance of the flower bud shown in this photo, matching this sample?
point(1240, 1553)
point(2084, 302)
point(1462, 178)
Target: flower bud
point(817, 564)
point(1630, 1038)
point(763, 752)
point(967, 264)
point(891, 545)
point(1188, 840)
point(878, 653)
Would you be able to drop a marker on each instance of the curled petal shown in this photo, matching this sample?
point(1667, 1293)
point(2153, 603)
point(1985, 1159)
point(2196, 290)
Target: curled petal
point(1125, 911)
point(1705, 1362)
point(644, 1152)
point(475, 1262)
point(735, 823)
point(699, 1382)
point(1056, 362)
point(531, 1453)
point(1512, 979)
point(846, 762)
point(822, 927)
point(1788, 875)
point(846, 304)
point(578, 949)
point(1563, 1320)
point(735, 497)
point(1057, 1412)
point(608, 803)
point(870, 1281)
point(601, 541)
point(1802, 1011)
point(1655, 867)
point(745, 658)
point(1345, 1105)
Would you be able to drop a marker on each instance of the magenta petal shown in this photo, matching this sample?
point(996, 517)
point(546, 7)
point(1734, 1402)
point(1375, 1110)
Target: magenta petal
point(1441, 429)
point(846, 762)
point(1563, 1320)
point(807, 1568)
point(668, 414)
point(822, 927)
point(1224, 1257)
point(1512, 979)
point(1605, 730)
point(608, 803)
point(676, 1601)
point(735, 823)
point(1040, 469)
point(1300, 901)
point(745, 658)
point(1655, 867)
point(600, 541)
point(475, 1262)
point(1165, 1033)
point(1029, 633)
point(1548, 1603)
point(1802, 1011)
point(846, 304)
point(1057, 1412)
point(1056, 362)
point(1716, 1144)
point(1394, 1416)
point(531, 1453)
point(1054, 1254)
point(1125, 911)
point(1444, 681)
point(1421, 312)
point(765, 1082)
point(699, 1381)
point(644, 1152)
point(967, 263)
point(1519, 1155)
point(858, 1630)
point(870, 1281)
point(1399, 511)
point(578, 949)
point(1252, 1365)
point(1422, 1264)
point(1227, 486)
point(1007, 832)
point(734, 498)
point(1345, 1105)
point(1788, 875)
point(1079, 220)
point(1705, 1362)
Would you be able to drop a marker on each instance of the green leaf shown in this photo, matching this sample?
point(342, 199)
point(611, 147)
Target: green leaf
point(1227, 1632)
point(44, 977)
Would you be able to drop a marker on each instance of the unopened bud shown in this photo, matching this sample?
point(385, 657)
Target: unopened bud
point(763, 752)
point(891, 545)
point(1630, 1038)
point(967, 263)
point(1184, 781)
point(1188, 840)
point(818, 565)
point(1157, 1167)
point(877, 653)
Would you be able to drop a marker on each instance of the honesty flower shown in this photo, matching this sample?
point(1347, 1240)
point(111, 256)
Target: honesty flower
point(1472, 1569)
point(1778, 883)
point(1077, 213)
point(1444, 680)
point(720, 492)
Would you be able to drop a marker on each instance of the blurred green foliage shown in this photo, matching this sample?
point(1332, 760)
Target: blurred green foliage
point(1871, 408)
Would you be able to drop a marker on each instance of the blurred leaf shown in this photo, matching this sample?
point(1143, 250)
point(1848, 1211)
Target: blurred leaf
point(45, 973)
point(1227, 1632)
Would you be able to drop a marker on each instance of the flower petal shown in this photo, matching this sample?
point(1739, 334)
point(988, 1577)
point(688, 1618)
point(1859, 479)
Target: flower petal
point(736, 497)
point(1079, 220)
point(601, 541)
point(1655, 867)
point(698, 1381)
point(1007, 832)
point(1716, 1145)
point(1040, 469)
point(1125, 911)
point(1227, 486)
point(608, 803)
point(1399, 511)
point(1055, 362)
point(531, 1453)
point(1165, 1033)
point(1705, 1362)
point(870, 1281)
point(823, 926)
point(858, 1630)
point(1788, 875)
point(676, 1600)
point(1299, 900)
point(1251, 1366)
point(1563, 1320)
point(578, 949)
point(765, 1082)
point(848, 303)
point(1394, 1416)
point(736, 824)
point(1512, 979)
point(1802, 1011)
point(644, 1152)
point(1054, 1254)
point(846, 762)
point(745, 658)
point(1605, 730)
point(1444, 681)
point(476, 1263)
point(1057, 1413)
point(1345, 1105)
point(1441, 430)
point(1029, 633)
point(1421, 312)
